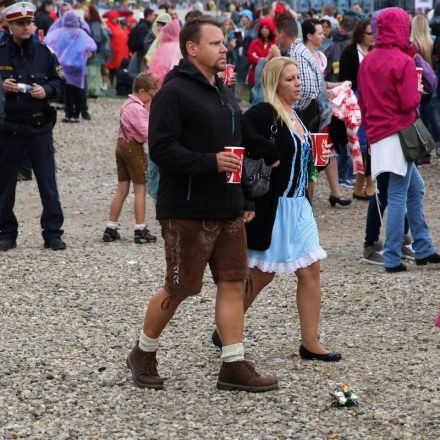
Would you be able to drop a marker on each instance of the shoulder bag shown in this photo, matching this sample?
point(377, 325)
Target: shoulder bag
point(416, 141)
point(257, 172)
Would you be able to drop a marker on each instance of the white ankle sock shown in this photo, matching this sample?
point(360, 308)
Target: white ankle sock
point(139, 227)
point(147, 344)
point(113, 225)
point(233, 353)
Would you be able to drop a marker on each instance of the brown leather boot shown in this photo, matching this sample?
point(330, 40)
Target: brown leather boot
point(241, 376)
point(143, 366)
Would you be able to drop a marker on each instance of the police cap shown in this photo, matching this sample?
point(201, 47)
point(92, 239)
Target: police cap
point(19, 11)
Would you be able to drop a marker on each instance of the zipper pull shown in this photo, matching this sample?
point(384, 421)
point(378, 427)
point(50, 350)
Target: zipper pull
point(233, 116)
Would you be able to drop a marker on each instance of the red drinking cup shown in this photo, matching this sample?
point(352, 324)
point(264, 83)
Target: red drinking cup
point(419, 73)
point(319, 143)
point(235, 177)
point(228, 73)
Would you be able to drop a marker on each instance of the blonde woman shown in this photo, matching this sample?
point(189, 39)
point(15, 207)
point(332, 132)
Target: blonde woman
point(421, 38)
point(421, 41)
point(283, 237)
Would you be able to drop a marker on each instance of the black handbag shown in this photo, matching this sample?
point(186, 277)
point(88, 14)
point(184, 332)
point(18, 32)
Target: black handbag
point(257, 172)
point(416, 141)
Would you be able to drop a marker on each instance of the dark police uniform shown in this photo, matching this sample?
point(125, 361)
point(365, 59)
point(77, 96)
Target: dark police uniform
point(28, 126)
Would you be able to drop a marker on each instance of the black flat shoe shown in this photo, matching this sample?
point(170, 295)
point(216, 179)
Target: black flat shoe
point(339, 200)
point(216, 339)
point(328, 357)
point(400, 268)
point(433, 259)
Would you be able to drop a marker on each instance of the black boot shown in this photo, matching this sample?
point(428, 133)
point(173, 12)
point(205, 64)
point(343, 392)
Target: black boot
point(6, 244)
point(55, 243)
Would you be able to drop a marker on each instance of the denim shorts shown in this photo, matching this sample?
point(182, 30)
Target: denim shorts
point(190, 245)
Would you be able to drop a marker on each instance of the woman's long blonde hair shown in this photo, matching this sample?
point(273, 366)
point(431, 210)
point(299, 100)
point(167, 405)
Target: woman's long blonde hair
point(270, 80)
point(421, 38)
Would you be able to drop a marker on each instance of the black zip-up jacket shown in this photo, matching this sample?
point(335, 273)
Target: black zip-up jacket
point(137, 37)
point(190, 122)
point(33, 62)
point(43, 20)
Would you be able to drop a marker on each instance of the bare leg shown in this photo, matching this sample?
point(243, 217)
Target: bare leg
point(157, 317)
point(308, 299)
point(259, 280)
point(333, 177)
point(140, 192)
point(229, 314)
point(118, 200)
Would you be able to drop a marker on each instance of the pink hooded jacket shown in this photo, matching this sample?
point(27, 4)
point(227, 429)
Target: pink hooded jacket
point(168, 54)
point(387, 80)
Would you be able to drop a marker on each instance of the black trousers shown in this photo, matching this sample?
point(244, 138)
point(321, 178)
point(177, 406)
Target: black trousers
point(73, 101)
point(25, 168)
point(84, 94)
point(41, 153)
point(372, 230)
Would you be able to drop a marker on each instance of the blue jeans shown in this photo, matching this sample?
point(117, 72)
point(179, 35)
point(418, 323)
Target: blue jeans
point(405, 196)
point(375, 211)
point(345, 164)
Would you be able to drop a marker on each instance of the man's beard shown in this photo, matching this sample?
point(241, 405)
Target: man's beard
point(219, 66)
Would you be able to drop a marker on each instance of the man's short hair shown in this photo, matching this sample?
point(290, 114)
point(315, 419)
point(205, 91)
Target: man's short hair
point(191, 15)
point(147, 12)
point(191, 31)
point(348, 23)
point(267, 9)
point(309, 27)
point(287, 24)
point(145, 81)
point(328, 9)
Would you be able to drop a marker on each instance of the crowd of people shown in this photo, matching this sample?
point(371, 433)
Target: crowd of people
point(351, 77)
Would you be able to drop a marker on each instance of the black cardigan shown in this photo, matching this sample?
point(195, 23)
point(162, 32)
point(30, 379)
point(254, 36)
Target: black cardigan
point(349, 65)
point(256, 123)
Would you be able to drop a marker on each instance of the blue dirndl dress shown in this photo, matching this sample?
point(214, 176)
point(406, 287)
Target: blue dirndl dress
point(295, 240)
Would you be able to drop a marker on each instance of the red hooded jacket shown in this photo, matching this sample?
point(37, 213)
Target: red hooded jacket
point(118, 40)
point(387, 79)
point(258, 49)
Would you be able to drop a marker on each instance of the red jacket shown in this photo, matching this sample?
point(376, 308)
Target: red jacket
point(118, 41)
point(258, 50)
point(387, 79)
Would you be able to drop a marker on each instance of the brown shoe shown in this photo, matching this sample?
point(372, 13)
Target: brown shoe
point(143, 366)
point(241, 376)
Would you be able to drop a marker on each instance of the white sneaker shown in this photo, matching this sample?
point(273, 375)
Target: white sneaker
point(408, 252)
point(374, 254)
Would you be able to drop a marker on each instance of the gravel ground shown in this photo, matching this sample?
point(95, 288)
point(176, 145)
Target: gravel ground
point(68, 320)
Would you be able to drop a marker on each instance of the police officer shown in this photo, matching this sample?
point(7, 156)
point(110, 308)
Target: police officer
point(31, 76)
